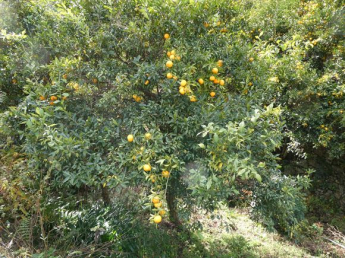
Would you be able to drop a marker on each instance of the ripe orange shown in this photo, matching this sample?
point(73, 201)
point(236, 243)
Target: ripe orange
point(42, 98)
point(153, 178)
point(162, 212)
point(201, 81)
point(222, 82)
point(220, 63)
point(166, 36)
point(51, 103)
point(94, 80)
point(182, 90)
point(130, 137)
point(147, 167)
point(212, 94)
point(206, 24)
point(157, 219)
point(250, 84)
point(168, 53)
point(147, 82)
point(155, 199)
point(53, 98)
point(183, 83)
point(169, 75)
point(173, 52)
point(212, 78)
point(169, 64)
point(147, 136)
point(214, 70)
point(158, 204)
point(193, 98)
point(172, 57)
point(251, 59)
point(178, 58)
point(175, 78)
point(135, 96)
point(165, 173)
point(216, 81)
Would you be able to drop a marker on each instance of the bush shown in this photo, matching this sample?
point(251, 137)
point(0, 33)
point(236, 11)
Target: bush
point(103, 96)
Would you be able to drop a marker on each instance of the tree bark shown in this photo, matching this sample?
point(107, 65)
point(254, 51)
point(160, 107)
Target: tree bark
point(171, 201)
point(105, 195)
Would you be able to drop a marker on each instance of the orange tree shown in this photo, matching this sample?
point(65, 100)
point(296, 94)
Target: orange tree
point(167, 96)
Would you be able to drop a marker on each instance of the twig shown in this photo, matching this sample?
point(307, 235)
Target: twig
point(336, 243)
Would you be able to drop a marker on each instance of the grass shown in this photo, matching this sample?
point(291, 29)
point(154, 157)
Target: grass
point(226, 232)
point(231, 233)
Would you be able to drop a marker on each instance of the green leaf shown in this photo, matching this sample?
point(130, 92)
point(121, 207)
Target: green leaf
point(209, 183)
point(201, 145)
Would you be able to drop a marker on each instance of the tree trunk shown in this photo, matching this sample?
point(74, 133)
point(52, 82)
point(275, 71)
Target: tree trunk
point(105, 195)
point(171, 201)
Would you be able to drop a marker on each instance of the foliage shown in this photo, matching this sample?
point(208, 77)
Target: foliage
point(101, 96)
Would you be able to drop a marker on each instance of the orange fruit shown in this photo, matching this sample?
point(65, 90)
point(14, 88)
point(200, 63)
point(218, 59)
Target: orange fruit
point(14, 81)
point(222, 82)
point(173, 52)
point(51, 103)
point(169, 64)
point(64, 76)
point(158, 204)
point(157, 219)
point(212, 94)
point(201, 81)
point(193, 99)
point(147, 82)
point(147, 167)
point(53, 98)
point(165, 173)
point(220, 63)
point(182, 90)
point(162, 212)
point(214, 70)
point(94, 80)
point(147, 136)
point(130, 138)
point(153, 178)
point(251, 59)
point(183, 83)
point(155, 199)
point(169, 75)
point(135, 96)
point(216, 81)
point(64, 98)
point(42, 98)
point(250, 84)
point(172, 57)
point(166, 36)
point(212, 78)
point(175, 78)
point(168, 53)
point(206, 24)
point(178, 58)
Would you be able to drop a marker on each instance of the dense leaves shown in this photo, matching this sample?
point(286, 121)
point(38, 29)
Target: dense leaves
point(79, 76)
